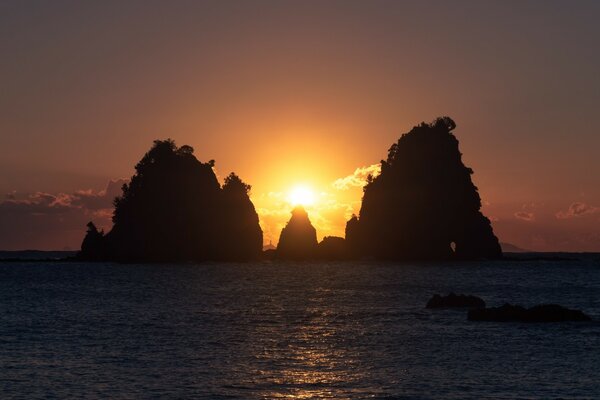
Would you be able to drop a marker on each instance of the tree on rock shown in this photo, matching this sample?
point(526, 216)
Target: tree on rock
point(423, 205)
point(298, 239)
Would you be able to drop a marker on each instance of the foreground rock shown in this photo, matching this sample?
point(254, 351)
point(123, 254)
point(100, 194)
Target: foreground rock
point(540, 313)
point(455, 301)
point(423, 205)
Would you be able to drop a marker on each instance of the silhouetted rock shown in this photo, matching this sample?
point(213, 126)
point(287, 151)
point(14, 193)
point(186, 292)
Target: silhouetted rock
point(423, 205)
point(298, 239)
point(93, 245)
point(541, 313)
point(174, 209)
point(455, 301)
point(241, 236)
point(332, 248)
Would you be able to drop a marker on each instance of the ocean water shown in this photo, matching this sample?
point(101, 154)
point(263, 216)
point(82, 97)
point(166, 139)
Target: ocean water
point(291, 330)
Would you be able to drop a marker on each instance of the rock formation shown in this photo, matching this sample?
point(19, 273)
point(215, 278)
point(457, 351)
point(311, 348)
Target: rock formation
point(298, 239)
point(541, 313)
point(174, 209)
point(92, 247)
point(423, 205)
point(241, 236)
point(332, 248)
point(455, 301)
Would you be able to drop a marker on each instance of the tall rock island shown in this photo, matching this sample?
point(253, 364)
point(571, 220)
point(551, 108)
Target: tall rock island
point(423, 205)
point(298, 239)
point(174, 209)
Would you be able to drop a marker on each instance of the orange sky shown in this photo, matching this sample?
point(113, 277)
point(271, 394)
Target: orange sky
point(299, 92)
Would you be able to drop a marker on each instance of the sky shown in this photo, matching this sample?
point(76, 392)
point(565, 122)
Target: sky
point(289, 93)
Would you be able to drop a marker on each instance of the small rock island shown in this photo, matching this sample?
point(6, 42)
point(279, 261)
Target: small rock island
point(174, 210)
point(423, 205)
point(298, 239)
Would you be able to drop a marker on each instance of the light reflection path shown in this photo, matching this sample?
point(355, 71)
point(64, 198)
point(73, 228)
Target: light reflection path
point(312, 358)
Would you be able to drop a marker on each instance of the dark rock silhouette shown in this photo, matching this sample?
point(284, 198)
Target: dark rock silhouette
point(540, 313)
point(241, 236)
point(298, 239)
point(92, 247)
point(332, 248)
point(174, 209)
point(455, 301)
point(423, 205)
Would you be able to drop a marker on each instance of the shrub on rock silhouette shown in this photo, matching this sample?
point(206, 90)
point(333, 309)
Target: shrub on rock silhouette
point(423, 205)
point(174, 209)
point(298, 239)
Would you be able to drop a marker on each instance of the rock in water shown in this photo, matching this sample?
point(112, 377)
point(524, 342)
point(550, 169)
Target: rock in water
point(174, 209)
point(455, 301)
point(540, 313)
point(298, 239)
point(332, 248)
point(423, 205)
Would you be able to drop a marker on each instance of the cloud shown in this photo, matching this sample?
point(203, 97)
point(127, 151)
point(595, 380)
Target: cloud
point(101, 200)
point(525, 216)
point(358, 178)
point(54, 221)
point(38, 203)
point(577, 209)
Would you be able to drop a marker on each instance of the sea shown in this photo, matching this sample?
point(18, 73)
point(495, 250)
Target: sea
point(274, 330)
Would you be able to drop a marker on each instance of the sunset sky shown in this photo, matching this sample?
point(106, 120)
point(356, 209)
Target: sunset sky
point(308, 94)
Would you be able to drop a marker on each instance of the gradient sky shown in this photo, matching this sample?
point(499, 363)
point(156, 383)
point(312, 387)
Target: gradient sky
point(290, 92)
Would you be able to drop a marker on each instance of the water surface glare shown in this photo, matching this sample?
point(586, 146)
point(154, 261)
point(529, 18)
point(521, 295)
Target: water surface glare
point(286, 330)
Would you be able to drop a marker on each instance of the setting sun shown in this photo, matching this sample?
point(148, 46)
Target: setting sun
point(301, 195)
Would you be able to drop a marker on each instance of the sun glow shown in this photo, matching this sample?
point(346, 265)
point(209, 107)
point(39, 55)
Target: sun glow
point(301, 195)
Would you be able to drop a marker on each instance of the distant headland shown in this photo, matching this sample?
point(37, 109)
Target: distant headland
point(423, 206)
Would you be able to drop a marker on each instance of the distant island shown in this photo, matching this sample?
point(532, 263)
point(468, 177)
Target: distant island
point(423, 206)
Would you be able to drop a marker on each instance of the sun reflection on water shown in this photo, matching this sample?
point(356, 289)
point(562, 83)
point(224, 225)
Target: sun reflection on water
point(311, 359)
